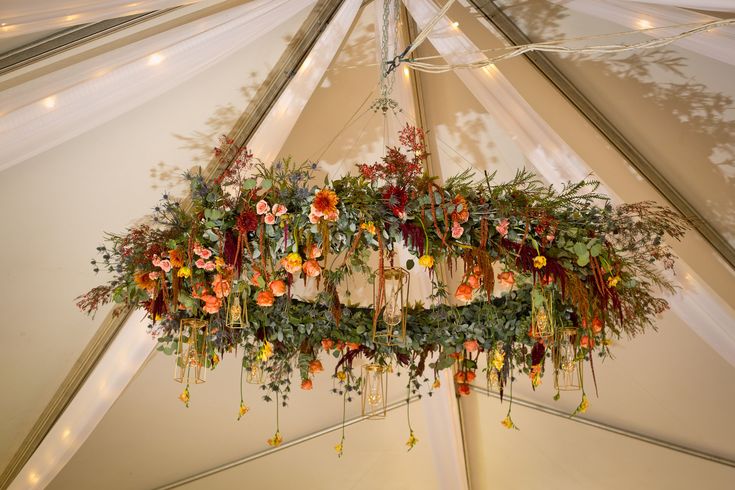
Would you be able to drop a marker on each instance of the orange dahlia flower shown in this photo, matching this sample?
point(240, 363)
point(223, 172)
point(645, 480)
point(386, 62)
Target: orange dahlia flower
point(277, 287)
point(325, 203)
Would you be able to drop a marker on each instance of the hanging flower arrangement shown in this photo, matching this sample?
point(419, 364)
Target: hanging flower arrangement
point(547, 277)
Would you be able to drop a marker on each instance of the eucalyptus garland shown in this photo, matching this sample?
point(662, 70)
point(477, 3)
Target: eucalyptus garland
point(519, 250)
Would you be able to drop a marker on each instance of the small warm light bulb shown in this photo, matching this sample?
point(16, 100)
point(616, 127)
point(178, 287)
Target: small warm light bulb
point(306, 63)
point(49, 102)
point(66, 434)
point(70, 18)
point(33, 478)
point(406, 71)
point(455, 24)
point(644, 24)
point(155, 59)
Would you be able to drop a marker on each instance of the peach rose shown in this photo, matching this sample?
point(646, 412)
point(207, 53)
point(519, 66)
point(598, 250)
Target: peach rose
point(463, 389)
point(314, 251)
point(596, 325)
point(262, 207)
point(264, 298)
point(470, 376)
point(352, 345)
point(327, 344)
point(464, 292)
point(507, 278)
point(220, 286)
point(587, 342)
point(212, 304)
point(270, 219)
point(306, 384)
point(277, 287)
point(457, 230)
point(459, 377)
point(473, 281)
point(471, 345)
point(312, 268)
point(315, 366)
point(279, 209)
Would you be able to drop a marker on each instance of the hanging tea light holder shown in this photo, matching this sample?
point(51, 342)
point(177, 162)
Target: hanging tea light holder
point(190, 361)
point(567, 367)
point(395, 305)
point(374, 390)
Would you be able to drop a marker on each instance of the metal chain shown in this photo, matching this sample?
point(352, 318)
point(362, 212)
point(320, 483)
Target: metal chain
point(387, 78)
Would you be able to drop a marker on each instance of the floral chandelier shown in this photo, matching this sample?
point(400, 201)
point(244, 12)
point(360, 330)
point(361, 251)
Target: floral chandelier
point(546, 277)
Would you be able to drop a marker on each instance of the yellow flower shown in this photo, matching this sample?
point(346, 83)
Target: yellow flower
point(184, 396)
point(412, 441)
point(498, 359)
point(339, 448)
point(539, 262)
point(243, 410)
point(276, 440)
point(215, 359)
point(341, 375)
point(219, 263)
point(613, 281)
point(266, 351)
point(426, 261)
point(507, 422)
point(292, 263)
point(583, 405)
point(535, 375)
point(437, 384)
point(369, 227)
point(184, 272)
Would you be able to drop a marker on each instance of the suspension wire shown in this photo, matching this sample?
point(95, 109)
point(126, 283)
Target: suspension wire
point(352, 120)
point(553, 47)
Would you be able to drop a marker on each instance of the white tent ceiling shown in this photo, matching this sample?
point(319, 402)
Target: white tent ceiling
point(671, 384)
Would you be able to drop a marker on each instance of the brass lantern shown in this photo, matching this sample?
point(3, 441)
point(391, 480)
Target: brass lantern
point(395, 301)
point(255, 374)
point(374, 390)
point(191, 351)
point(542, 323)
point(567, 368)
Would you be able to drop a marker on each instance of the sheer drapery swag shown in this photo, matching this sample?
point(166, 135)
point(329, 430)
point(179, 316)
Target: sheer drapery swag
point(132, 344)
point(48, 110)
point(20, 17)
point(717, 5)
point(554, 160)
point(718, 44)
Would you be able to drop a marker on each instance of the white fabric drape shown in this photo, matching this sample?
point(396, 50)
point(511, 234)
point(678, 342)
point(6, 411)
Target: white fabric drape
point(555, 161)
point(717, 5)
point(51, 109)
point(20, 17)
point(132, 345)
point(718, 44)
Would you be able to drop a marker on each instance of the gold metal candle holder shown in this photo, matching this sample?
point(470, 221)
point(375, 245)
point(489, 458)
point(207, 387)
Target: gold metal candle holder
point(191, 351)
point(542, 316)
point(395, 300)
point(567, 369)
point(255, 374)
point(374, 391)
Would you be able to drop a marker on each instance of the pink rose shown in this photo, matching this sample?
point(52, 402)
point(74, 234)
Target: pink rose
point(203, 252)
point(209, 266)
point(262, 207)
point(550, 238)
point(165, 265)
point(270, 218)
point(313, 218)
point(457, 230)
point(199, 263)
point(315, 212)
point(333, 216)
point(156, 261)
point(279, 209)
point(503, 227)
